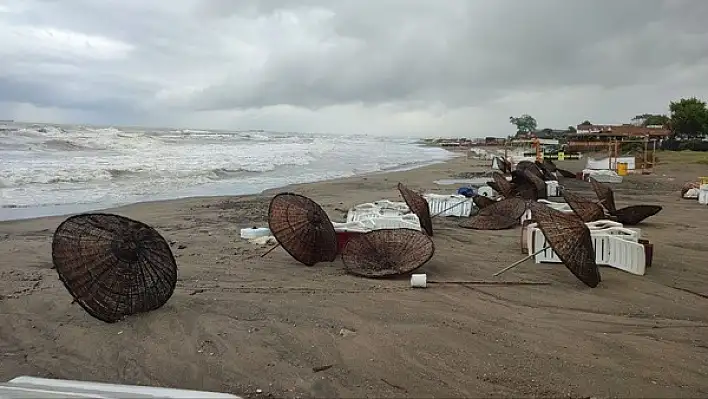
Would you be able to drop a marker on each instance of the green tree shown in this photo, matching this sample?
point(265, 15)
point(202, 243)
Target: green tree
point(525, 123)
point(572, 129)
point(689, 117)
point(651, 119)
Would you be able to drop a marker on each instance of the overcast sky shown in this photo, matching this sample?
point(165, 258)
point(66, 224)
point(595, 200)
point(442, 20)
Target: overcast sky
point(403, 67)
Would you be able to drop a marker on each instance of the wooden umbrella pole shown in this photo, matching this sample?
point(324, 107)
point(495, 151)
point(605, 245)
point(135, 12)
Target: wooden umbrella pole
point(520, 261)
point(271, 249)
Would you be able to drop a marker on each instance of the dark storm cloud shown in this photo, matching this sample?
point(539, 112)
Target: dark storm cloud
point(421, 56)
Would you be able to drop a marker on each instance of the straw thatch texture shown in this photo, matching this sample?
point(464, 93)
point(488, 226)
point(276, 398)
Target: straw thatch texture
point(503, 186)
point(482, 202)
point(494, 187)
point(545, 172)
point(570, 238)
point(549, 165)
point(587, 210)
point(635, 214)
point(419, 206)
point(112, 265)
point(387, 252)
point(523, 187)
point(566, 173)
point(538, 184)
point(604, 194)
point(507, 166)
point(512, 207)
point(501, 215)
point(489, 222)
point(302, 228)
point(630, 215)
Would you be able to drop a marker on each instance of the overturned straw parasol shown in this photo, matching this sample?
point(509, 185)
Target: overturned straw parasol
point(549, 165)
point(501, 215)
point(630, 215)
point(546, 173)
point(502, 185)
point(113, 266)
point(387, 252)
point(523, 187)
point(565, 173)
point(419, 206)
point(482, 202)
point(570, 238)
point(538, 184)
point(586, 209)
point(302, 228)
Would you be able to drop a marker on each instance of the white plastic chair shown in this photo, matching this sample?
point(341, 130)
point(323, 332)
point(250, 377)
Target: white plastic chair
point(369, 210)
point(627, 255)
point(447, 205)
point(559, 206)
point(409, 221)
point(616, 247)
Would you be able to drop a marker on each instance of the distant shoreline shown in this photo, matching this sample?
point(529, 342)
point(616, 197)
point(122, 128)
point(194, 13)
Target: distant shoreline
point(11, 214)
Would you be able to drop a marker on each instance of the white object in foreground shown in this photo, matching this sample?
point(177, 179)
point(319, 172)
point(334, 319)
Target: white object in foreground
point(32, 387)
point(419, 280)
point(255, 232)
point(449, 205)
point(603, 176)
point(376, 209)
point(703, 194)
point(616, 247)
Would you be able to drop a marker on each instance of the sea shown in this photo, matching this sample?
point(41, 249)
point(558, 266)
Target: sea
point(49, 169)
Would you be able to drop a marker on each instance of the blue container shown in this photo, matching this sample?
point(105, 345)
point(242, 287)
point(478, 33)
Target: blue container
point(467, 191)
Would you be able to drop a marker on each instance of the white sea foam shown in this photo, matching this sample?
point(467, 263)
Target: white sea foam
point(49, 165)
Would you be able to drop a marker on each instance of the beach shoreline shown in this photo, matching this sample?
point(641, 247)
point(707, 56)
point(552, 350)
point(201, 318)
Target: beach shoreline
point(49, 170)
point(10, 214)
point(258, 326)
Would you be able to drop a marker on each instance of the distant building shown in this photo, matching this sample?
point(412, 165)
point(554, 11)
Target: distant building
point(620, 132)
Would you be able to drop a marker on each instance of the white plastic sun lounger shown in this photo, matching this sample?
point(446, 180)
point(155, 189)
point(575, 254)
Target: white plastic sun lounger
point(32, 387)
point(616, 247)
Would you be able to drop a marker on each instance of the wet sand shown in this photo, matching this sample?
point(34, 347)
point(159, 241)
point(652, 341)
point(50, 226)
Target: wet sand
point(271, 327)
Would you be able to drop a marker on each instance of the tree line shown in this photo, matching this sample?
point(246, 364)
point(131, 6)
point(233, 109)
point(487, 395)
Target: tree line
point(687, 119)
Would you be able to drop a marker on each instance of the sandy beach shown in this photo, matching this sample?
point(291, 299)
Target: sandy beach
point(271, 327)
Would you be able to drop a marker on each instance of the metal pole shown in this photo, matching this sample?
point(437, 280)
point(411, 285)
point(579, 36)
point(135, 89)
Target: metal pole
point(520, 261)
point(646, 148)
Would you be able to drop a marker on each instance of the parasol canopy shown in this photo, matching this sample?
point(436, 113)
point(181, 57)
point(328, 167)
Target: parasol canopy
point(507, 166)
point(523, 187)
point(570, 239)
point(501, 215)
point(113, 266)
point(604, 194)
point(635, 214)
point(538, 184)
point(503, 185)
point(387, 252)
point(489, 222)
point(545, 172)
point(302, 228)
point(482, 202)
point(566, 173)
point(630, 215)
point(419, 206)
point(549, 165)
point(587, 210)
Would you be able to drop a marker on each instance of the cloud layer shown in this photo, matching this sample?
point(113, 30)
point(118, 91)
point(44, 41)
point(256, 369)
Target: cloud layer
point(403, 67)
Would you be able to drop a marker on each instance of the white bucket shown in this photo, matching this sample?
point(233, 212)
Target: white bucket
point(419, 280)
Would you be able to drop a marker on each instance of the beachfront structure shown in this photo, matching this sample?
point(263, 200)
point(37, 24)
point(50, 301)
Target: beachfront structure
point(620, 132)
